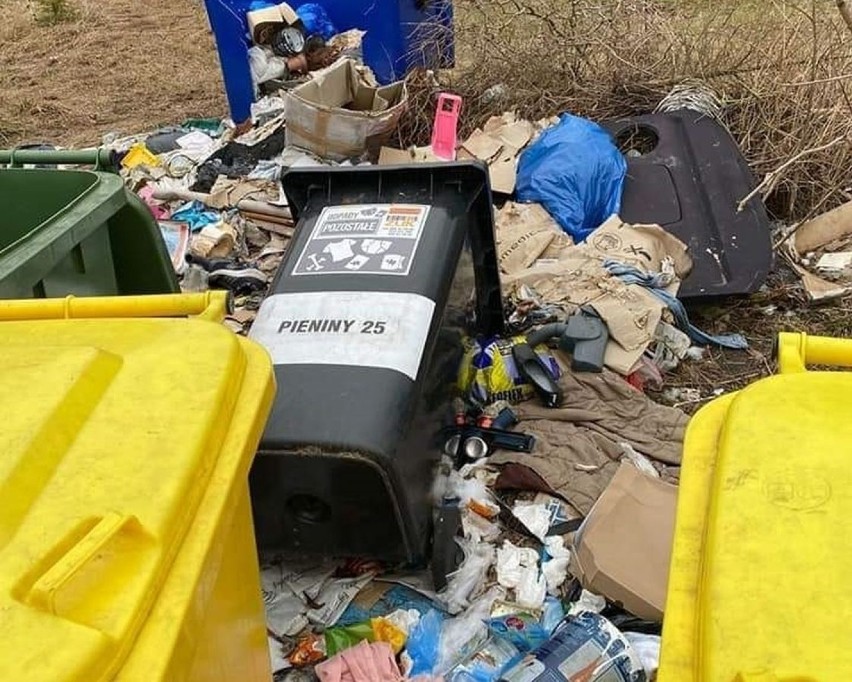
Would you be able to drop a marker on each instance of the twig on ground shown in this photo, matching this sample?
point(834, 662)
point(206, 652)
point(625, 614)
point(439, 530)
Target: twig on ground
point(771, 179)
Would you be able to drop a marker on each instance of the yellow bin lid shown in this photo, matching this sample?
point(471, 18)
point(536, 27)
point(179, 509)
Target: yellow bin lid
point(761, 574)
point(110, 431)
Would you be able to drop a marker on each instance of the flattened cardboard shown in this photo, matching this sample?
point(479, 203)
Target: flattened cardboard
point(525, 233)
point(482, 145)
point(623, 549)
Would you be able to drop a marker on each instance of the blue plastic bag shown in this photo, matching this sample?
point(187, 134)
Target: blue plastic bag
point(196, 215)
point(316, 21)
point(424, 642)
point(576, 172)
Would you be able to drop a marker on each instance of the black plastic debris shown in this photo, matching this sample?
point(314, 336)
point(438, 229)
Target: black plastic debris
point(686, 173)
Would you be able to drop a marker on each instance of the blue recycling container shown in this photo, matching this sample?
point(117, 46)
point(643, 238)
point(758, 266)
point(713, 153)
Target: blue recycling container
point(401, 35)
point(230, 28)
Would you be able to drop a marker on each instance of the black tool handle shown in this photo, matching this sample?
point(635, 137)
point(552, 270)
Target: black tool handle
point(533, 369)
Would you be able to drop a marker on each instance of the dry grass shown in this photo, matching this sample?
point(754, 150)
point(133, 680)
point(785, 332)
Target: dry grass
point(122, 66)
point(783, 69)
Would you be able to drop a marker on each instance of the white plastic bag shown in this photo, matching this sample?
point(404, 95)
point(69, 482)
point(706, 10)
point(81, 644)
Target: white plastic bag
point(647, 648)
point(517, 568)
point(466, 633)
point(555, 570)
point(469, 578)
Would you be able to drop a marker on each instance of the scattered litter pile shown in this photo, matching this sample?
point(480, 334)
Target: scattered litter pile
point(554, 499)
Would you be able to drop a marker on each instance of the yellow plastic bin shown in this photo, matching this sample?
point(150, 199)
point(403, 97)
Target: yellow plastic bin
point(126, 543)
point(761, 573)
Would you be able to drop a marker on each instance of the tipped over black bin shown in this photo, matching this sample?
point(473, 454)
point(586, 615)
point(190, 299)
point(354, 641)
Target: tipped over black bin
point(388, 269)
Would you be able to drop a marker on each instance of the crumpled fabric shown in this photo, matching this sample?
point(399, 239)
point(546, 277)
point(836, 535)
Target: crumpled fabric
point(365, 662)
point(196, 215)
point(578, 446)
point(656, 284)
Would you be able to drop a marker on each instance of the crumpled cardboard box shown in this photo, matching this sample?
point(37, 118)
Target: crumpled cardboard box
point(265, 21)
point(623, 549)
point(339, 115)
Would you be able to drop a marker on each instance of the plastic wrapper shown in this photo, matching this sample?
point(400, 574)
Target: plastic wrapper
point(316, 21)
point(340, 638)
point(465, 634)
point(555, 569)
point(424, 644)
point(587, 647)
point(265, 66)
point(385, 599)
point(517, 569)
point(553, 614)
point(523, 631)
point(488, 372)
point(385, 630)
point(309, 649)
point(486, 664)
point(588, 601)
point(647, 648)
point(479, 529)
point(536, 517)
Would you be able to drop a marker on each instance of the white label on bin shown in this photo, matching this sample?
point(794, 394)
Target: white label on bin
point(370, 239)
point(354, 328)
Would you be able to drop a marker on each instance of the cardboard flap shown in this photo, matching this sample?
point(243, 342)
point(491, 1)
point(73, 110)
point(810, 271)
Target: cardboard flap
point(623, 548)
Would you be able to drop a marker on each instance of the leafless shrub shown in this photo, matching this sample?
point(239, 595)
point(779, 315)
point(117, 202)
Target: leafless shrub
point(783, 70)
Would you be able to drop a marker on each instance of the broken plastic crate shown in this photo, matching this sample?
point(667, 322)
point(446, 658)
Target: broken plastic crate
point(126, 543)
point(77, 232)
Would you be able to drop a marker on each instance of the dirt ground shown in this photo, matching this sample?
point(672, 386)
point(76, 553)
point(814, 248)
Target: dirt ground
point(122, 66)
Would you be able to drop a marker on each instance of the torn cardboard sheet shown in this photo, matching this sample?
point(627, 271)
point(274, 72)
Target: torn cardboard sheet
point(228, 193)
point(824, 229)
point(830, 231)
point(623, 549)
point(499, 143)
point(579, 445)
point(525, 234)
point(816, 288)
point(214, 241)
point(576, 277)
point(264, 22)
